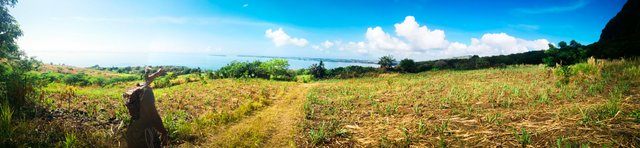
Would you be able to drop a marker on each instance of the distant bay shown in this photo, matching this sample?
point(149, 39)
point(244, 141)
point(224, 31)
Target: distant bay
point(193, 60)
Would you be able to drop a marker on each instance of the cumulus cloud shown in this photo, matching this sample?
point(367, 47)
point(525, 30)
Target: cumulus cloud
point(420, 37)
point(411, 39)
point(281, 38)
point(378, 39)
point(501, 43)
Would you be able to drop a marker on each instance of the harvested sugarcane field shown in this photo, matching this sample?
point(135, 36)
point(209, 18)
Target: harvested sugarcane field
point(344, 74)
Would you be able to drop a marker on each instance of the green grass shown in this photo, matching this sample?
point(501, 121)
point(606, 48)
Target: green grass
point(523, 137)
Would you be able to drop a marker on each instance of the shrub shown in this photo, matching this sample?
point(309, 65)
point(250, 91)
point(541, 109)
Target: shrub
point(565, 55)
point(277, 69)
point(407, 65)
point(121, 79)
point(237, 69)
point(318, 71)
point(76, 79)
point(304, 78)
point(274, 69)
point(350, 72)
point(440, 64)
point(162, 82)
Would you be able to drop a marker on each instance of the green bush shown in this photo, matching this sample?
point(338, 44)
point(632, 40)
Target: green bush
point(318, 70)
point(350, 72)
point(76, 79)
point(164, 81)
point(274, 69)
point(304, 78)
point(407, 65)
point(566, 54)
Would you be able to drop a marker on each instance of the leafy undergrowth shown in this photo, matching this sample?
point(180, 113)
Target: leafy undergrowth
point(595, 105)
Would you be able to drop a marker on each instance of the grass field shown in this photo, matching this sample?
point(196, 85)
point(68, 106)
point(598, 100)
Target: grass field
point(590, 104)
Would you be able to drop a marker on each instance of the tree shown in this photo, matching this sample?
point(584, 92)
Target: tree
point(277, 69)
point(318, 70)
point(562, 44)
point(565, 55)
point(10, 31)
point(407, 65)
point(573, 43)
point(386, 62)
point(440, 64)
point(15, 81)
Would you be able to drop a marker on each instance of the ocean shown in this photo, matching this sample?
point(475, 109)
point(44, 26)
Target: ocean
point(192, 60)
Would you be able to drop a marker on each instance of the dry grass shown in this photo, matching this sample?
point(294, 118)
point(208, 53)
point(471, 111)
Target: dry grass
point(479, 108)
point(511, 107)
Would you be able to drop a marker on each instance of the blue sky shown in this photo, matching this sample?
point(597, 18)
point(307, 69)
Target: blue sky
point(361, 29)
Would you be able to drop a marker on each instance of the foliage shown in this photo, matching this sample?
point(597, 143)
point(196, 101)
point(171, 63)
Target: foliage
point(277, 69)
point(407, 65)
point(274, 69)
point(10, 32)
point(476, 62)
point(15, 82)
point(70, 141)
point(566, 54)
point(304, 78)
point(317, 70)
point(139, 70)
point(386, 62)
point(164, 81)
point(176, 125)
point(83, 79)
point(6, 128)
point(350, 72)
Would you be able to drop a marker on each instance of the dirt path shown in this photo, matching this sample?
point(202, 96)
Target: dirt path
point(274, 126)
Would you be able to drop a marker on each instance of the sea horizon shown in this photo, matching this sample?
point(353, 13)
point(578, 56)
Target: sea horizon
point(192, 60)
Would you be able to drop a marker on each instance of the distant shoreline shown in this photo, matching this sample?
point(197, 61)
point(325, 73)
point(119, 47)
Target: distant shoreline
point(312, 59)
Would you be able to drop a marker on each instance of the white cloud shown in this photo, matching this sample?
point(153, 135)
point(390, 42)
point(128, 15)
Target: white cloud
point(502, 43)
point(378, 39)
point(245, 5)
point(415, 41)
point(420, 37)
point(358, 47)
point(327, 44)
point(280, 38)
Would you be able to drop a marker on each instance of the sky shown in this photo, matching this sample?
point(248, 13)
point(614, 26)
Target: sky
point(354, 29)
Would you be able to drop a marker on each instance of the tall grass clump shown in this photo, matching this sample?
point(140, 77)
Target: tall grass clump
point(6, 130)
point(70, 141)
